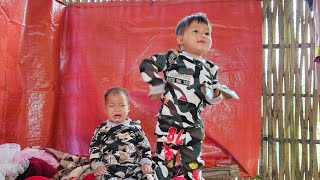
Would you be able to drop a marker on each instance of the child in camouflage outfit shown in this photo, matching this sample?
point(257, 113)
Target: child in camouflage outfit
point(188, 86)
point(119, 149)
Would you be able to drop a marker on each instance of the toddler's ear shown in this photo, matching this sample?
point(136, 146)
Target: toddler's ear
point(179, 40)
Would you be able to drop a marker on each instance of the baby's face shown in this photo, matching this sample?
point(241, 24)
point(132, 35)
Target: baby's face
point(117, 107)
point(196, 38)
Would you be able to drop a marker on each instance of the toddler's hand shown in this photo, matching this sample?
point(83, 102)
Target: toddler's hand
point(100, 171)
point(216, 93)
point(147, 169)
point(210, 91)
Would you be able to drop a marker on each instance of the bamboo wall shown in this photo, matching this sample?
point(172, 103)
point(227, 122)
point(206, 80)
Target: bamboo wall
point(289, 101)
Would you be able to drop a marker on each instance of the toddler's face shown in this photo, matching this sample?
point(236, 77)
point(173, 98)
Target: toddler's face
point(117, 107)
point(196, 38)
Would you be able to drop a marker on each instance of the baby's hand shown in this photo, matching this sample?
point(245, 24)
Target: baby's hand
point(209, 91)
point(155, 96)
point(147, 169)
point(100, 170)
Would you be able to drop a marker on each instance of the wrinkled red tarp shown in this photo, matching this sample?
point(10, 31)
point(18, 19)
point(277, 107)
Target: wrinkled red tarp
point(30, 85)
point(58, 61)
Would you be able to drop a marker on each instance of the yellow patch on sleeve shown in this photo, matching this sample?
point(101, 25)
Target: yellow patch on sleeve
point(155, 67)
point(317, 51)
point(170, 164)
point(176, 53)
point(193, 165)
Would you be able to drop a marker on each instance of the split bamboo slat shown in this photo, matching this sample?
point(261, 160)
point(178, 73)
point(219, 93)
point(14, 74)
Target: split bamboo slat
point(282, 71)
point(264, 144)
point(294, 131)
point(290, 104)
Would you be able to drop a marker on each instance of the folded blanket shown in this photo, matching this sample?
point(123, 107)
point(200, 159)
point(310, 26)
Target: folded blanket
point(38, 167)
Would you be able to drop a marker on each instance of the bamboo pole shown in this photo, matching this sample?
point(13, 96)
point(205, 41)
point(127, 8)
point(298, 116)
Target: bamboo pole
point(272, 160)
point(298, 100)
point(308, 93)
point(288, 74)
point(269, 91)
point(281, 127)
point(304, 123)
point(264, 144)
point(275, 120)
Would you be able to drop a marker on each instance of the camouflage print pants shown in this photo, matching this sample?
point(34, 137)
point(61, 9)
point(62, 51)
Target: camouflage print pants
point(117, 172)
point(170, 140)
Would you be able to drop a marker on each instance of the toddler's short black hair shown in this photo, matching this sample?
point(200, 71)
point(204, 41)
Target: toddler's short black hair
point(186, 21)
point(116, 90)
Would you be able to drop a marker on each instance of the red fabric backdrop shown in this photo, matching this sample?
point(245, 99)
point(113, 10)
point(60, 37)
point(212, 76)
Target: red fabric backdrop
point(58, 62)
point(30, 93)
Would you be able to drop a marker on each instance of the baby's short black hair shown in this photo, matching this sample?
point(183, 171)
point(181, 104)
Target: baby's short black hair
point(116, 90)
point(186, 21)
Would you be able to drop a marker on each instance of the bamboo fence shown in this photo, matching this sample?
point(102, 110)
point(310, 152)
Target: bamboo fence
point(290, 104)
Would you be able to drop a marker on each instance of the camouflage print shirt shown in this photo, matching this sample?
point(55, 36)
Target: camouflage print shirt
point(122, 144)
point(183, 74)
